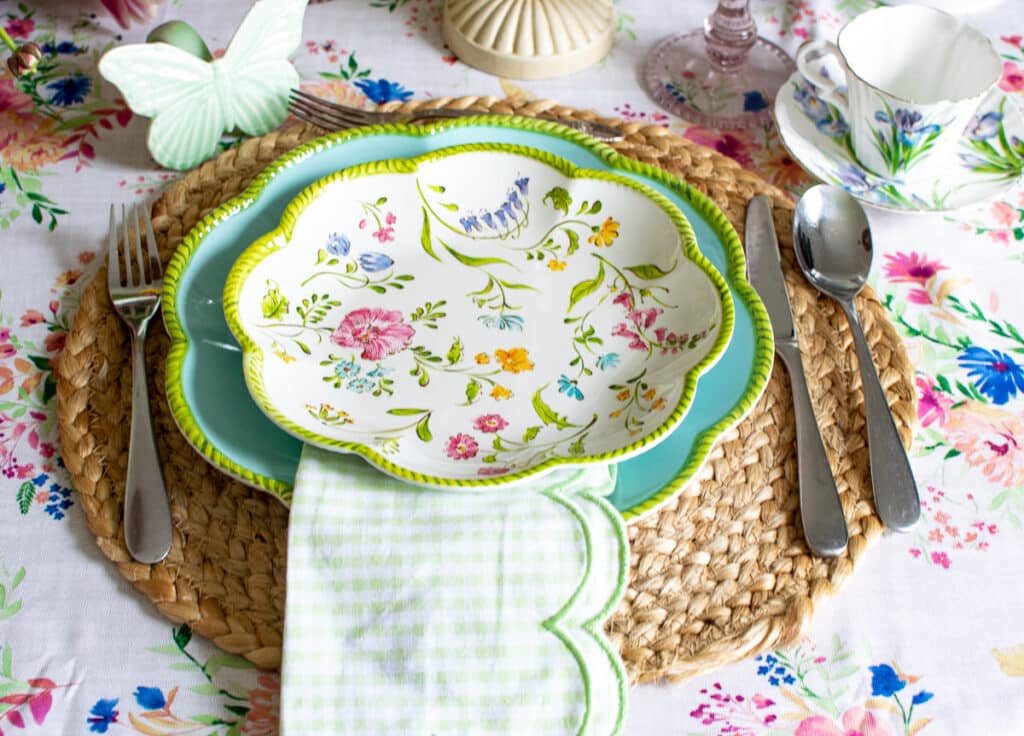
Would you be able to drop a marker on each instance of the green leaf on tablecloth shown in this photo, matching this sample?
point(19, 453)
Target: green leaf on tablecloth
point(208, 719)
point(230, 661)
point(205, 689)
point(26, 492)
point(168, 649)
point(5, 662)
point(182, 667)
point(238, 710)
point(182, 636)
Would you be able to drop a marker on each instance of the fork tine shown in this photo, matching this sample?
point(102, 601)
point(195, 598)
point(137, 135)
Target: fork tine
point(324, 119)
point(154, 255)
point(133, 248)
point(113, 257)
point(125, 252)
point(318, 104)
point(333, 117)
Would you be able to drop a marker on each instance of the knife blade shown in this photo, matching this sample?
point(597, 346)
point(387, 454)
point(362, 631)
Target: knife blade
point(820, 510)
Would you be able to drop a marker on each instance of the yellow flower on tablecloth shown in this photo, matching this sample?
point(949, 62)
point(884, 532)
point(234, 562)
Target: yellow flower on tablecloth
point(482, 358)
point(29, 142)
point(556, 265)
point(6, 379)
point(500, 392)
point(1011, 660)
point(514, 360)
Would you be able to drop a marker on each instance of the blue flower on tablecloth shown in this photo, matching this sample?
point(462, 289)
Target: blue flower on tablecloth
point(985, 127)
point(995, 373)
point(568, 387)
point(338, 244)
point(3, 187)
point(922, 697)
point(884, 681)
point(754, 101)
point(373, 262)
point(381, 90)
point(470, 223)
point(58, 501)
point(64, 47)
point(103, 713)
point(150, 698)
point(609, 360)
point(70, 90)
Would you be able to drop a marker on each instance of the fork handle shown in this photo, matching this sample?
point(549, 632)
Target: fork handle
point(148, 530)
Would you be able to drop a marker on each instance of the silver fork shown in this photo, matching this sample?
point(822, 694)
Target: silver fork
point(334, 116)
point(136, 298)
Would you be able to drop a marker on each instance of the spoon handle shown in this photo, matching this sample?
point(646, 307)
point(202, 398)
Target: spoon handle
point(820, 510)
point(893, 482)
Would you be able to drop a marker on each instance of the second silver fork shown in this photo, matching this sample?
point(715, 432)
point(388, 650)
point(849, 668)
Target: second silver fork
point(334, 116)
point(148, 529)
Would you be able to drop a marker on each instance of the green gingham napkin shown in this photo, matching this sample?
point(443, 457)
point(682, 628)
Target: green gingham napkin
point(414, 611)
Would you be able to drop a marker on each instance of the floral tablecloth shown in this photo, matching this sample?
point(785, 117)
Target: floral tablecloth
point(928, 636)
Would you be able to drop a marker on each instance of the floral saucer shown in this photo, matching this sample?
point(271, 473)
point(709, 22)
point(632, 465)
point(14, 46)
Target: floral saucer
point(988, 162)
point(477, 315)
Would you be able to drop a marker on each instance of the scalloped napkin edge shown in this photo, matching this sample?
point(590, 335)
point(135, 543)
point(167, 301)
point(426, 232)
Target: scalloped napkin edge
point(445, 611)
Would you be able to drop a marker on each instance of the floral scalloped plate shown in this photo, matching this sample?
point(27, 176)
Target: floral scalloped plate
point(477, 315)
point(988, 161)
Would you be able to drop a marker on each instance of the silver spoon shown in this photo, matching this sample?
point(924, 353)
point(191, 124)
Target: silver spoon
point(832, 240)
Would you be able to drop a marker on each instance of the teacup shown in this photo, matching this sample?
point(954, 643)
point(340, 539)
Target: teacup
point(914, 78)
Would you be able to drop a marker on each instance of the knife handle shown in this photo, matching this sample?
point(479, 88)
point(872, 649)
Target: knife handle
point(822, 514)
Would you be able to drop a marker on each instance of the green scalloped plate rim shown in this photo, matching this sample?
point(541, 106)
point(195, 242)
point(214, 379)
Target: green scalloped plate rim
point(716, 219)
point(252, 355)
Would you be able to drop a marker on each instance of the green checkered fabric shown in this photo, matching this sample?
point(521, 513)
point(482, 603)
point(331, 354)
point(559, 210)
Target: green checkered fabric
point(414, 611)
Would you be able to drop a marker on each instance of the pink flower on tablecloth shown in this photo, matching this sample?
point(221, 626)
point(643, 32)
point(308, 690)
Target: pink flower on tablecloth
point(624, 299)
point(919, 296)
point(941, 559)
point(379, 332)
point(20, 27)
point(999, 237)
point(384, 234)
point(856, 721)
point(125, 11)
point(933, 406)
point(490, 423)
point(735, 144)
point(989, 438)
point(1012, 79)
point(1004, 213)
point(461, 446)
point(911, 268)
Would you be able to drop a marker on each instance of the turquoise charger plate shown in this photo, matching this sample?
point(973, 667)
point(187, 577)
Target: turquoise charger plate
point(205, 385)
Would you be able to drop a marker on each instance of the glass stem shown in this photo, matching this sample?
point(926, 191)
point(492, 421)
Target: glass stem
point(729, 33)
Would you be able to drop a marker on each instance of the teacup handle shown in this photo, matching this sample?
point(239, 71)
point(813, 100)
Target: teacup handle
point(807, 57)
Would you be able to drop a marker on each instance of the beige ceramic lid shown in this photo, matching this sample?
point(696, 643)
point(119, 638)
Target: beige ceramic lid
point(529, 39)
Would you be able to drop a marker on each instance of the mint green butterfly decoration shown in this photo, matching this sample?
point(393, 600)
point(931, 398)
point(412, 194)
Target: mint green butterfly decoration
point(192, 101)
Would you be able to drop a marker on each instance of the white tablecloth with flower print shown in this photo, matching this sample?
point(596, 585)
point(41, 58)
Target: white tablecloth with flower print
point(928, 637)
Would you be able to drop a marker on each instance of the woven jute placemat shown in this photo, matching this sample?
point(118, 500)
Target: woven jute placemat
point(719, 573)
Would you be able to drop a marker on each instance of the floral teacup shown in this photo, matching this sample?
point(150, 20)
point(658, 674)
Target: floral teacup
point(914, 77)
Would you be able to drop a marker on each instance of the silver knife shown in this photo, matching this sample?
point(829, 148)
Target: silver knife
point(822, 515)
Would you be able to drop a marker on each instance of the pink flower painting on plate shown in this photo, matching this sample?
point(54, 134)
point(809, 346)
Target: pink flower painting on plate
point(378, 332)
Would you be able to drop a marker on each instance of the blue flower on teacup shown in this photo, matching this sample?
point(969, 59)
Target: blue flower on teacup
point(826, 118)
point(909, 124)
point(985, 126)
point(854, 179)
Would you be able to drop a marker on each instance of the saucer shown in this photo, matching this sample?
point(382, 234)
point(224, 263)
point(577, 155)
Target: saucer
point(988, 161)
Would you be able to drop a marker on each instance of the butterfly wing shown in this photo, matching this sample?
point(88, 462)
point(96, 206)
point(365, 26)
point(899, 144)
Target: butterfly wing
point(256, 63)
point(178, 91)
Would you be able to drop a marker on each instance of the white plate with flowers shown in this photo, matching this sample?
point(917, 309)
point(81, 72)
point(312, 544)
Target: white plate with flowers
point(478, 315)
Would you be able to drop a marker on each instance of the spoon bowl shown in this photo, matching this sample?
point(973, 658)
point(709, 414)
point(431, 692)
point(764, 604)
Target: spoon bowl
point(832, 239)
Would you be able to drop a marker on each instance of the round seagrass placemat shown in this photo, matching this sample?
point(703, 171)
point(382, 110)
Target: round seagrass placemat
point(719, 573)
